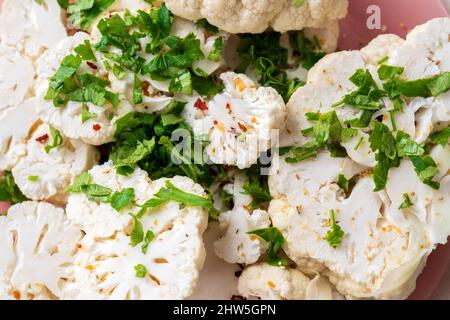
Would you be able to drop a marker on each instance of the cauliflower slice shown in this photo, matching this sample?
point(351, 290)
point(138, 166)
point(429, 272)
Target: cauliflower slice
point(384, 248)
point(37, 244)
point(46, 176)
point(105, 263)
point(97, 130)
point(257, 16)
point(31, 27)
point(218, 279)
point(273, 283)
point(235, 245)
point(16, 78)
point(240, 122)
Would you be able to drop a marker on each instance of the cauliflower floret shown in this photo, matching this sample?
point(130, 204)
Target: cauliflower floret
point(273, 283)
point(105, 263)
point(373, 251)
point(235, 245)
point(46, 176)
point(257, 16)
point(16, 78)
point(37, 243)
point(218, 279)
point(31, 27)
point(240, 122)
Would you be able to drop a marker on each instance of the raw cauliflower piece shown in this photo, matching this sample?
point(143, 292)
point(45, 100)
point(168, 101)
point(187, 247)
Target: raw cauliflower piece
point(256, 16)
point(37, 244)
point(46, 176)
point(235, 245)
point(67, 119)
point(240, 122)
point(17, 126)
point(16, 78)
point(30, 27)
point(376, 259)
point(105, 263)
point(218, 279)
point(273, 283)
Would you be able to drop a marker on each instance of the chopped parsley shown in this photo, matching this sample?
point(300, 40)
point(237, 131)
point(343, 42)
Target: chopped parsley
point(275, 240)
point(9, 192)
point(407, 203)
point(83, 13)
point(122, 199)
point(441, 137)
point(141, 271)
point(57, 140)
point(335, 235)
point(343, 182)
point(257, 186)
point(33, 178)
point(148, 238)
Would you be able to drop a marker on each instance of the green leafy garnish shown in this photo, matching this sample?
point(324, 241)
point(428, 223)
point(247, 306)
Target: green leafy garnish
point(83, 12)
point(57, 140)
point(122, 199)
point(149, 236)
point(343, 182)
point(33, 178)
point(275, 240)
point(441, 137)
point(407, 203)
point(335, 235)
point(141, 271)
point(85, 51)
point(137, 234)
point(9, 192)
point(257, 187)
point(426, 170)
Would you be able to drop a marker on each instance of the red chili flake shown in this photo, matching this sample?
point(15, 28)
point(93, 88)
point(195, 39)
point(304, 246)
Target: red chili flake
point(200, 105)
point(96, 127)
point(215, 122)
point(92, 65)
point(42, 139)
point(242, 127)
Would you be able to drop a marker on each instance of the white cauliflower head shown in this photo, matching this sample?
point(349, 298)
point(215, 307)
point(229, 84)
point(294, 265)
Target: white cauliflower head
point(31, 27)
point(239, 123)
point(108, 267)
point(37, 244)
point(235, 245)
point(386, 242)
point(239, 16)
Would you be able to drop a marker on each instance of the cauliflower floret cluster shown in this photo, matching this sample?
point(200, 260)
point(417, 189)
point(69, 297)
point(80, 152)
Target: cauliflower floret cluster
point(386, 235)
point(240, 123)
point(109, 266)
point(257, 16)
point(37, 244)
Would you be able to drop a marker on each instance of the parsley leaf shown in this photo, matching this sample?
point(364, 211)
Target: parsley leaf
point(120, 200)
point(426, 169)
point(137, 233)
point(84, 50)
point(57, 139)
point(441, 137)
point(335, 235)
point(83, 13)
point(343, 182)
point(407, 203)
point(149, 236)
point(9, 192)
point(275, 240)
point(257, 187)
point(141, 271)
point(86, 115)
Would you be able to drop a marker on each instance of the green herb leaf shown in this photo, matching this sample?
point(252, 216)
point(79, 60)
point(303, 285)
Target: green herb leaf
point(215, 54)
point(57, 140)
point(275, 240)
point(149, 236)
point(85, 51)
point(407, 203)
point(33, 178)
point(83, 13)
point(98, 193)
point(335, 235)
point(122, 199)
point(137, 90)
point(137, 234)
point(86, 115)
point(441, 137)
point(82, 180)
point(426, 170)
point(9, 192)
point(141, 271)
point(343, 182)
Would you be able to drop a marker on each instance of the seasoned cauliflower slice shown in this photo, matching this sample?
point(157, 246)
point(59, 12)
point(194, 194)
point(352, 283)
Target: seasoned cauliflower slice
point(376, 258)
point(30, 27)
point(240, 122)
point(37, 244)
point(273, 283)
point(257, 16)
point(97, 130)
point(235, 245)
point(46, 176)
point(106, 264)
point(218, 279)
point(16, 78)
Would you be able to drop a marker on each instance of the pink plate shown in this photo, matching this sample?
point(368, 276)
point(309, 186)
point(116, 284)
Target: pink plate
point(397, 16)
